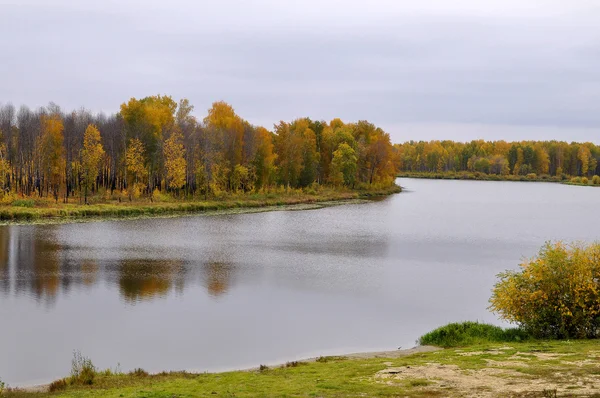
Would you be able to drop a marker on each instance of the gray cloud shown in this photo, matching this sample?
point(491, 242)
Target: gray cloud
point(458, 70)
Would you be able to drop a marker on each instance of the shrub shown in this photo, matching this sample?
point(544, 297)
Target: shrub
point(585, 181)
point(58, 385)
point(469, 333)
point(263, 368)
point(293, 364)
point(576, 180)
point(138, 372)
point(2, 385)
point(596, 180)
point(554, 295)
point(83, 370)
point(531, 176)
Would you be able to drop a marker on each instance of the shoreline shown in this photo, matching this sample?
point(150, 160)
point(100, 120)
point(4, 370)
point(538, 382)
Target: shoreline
point(42, 388)
point(68, 214)
point(486, 369)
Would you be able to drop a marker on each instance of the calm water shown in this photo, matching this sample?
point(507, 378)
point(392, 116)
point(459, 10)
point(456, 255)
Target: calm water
point(234, 291)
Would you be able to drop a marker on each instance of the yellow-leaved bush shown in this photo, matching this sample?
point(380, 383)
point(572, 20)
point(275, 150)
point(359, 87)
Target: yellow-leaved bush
point(554, 295)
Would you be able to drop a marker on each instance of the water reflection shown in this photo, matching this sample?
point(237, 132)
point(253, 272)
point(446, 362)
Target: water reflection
point(34, 262)
point(141, 280)
point(217, 277)
point(4, 277)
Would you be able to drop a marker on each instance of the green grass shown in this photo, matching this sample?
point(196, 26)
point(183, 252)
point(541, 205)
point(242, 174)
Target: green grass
point(463, 334)
point(530, 367)
point(43, 211)
point(23, 203)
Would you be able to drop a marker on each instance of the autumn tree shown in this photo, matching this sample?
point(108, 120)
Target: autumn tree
point(175, 163)
point(583, 155)
point(264, 158)
point(52, 152)
point(4, 165)
point(300, 128)
point(135, 163)
point(91, 156)
point(227, 130)
point(290, 159)
point(149, 120)
point(344, 165)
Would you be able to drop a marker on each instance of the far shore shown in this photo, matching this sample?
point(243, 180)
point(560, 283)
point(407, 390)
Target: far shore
point(468, 176)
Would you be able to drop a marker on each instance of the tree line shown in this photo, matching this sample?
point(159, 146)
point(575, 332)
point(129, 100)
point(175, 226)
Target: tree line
point(156, 143)
point(554, 158)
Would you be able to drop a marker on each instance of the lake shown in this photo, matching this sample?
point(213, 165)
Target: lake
point(210, 293)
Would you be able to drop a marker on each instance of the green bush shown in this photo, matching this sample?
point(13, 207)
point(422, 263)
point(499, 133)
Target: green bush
point(585, 181)
point(576, 180)
point(470, 333)
point(531, 176)
point(24, 203)
point(596, 180)
point(554, 295)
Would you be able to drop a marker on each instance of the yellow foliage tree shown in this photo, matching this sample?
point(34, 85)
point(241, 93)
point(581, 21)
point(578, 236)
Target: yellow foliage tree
point(264, 158)
point(4, 166)
point(135, 163)
point(91, 156)
point(584, 157)
point(227, 130)
point(50, 147)
point(175, 163)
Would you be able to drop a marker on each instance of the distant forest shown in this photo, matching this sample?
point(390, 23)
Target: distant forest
point(155, 143)
point(542, 158)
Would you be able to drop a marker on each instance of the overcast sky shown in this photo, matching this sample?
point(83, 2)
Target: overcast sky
point(460, 69)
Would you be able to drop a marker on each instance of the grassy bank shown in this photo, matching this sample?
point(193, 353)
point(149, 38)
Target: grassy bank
point(516, 369)
point(29, 210)
point(495, 177)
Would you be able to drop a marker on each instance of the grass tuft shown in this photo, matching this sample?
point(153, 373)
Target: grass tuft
point(83, 371)
point(470, 333)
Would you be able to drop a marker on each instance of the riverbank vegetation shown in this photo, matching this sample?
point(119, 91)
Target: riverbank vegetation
point(558, 161)
point(46, 210)
point(516, 369)
point(155, 150)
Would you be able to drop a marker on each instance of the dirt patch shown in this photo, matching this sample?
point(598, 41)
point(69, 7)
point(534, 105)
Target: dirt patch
point(494, 381)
